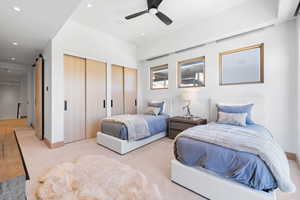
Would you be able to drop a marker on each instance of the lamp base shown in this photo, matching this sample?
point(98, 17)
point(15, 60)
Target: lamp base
point(188, 111)
point(188, 116)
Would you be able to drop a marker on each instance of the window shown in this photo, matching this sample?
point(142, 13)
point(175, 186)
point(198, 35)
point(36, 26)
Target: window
point(191, 73)
point(159, 78)
point(242, 66)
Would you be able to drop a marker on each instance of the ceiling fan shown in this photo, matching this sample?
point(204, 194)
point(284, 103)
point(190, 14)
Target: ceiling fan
point(153, 9)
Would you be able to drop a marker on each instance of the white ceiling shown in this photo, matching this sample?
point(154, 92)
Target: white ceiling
point(108, 16)
point(38, 21)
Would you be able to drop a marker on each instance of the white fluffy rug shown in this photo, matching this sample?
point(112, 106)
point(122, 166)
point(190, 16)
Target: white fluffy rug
point(95, 178)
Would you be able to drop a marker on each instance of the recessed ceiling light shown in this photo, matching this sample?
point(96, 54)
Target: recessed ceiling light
point(16, 8)
point(13, 58)
point(142, 34)
point(89, 5)
point(15, 43)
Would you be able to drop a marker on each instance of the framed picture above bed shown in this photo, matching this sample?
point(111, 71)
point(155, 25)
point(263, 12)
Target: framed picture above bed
point(242, 66)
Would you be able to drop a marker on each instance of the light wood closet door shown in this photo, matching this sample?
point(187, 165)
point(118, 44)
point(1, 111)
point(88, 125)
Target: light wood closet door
point(117, 90)
point(95, 96)
point(38, 110)
point(74, 119)
point(130, 90)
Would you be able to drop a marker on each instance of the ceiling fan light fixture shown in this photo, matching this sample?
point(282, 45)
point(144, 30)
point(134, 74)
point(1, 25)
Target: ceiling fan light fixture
point(153, 11)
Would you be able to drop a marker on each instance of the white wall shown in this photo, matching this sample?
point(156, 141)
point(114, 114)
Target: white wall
point(79, 40)
point(30, 95)
point(279, 90)
point(47, 54)
point(9, 98)
point(25, 96)
point(298, 85)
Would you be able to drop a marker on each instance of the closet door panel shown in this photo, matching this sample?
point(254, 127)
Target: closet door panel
point(130, 90)
point(74, 90)
point(95, 96)
point(38, 122)
point(117, 90)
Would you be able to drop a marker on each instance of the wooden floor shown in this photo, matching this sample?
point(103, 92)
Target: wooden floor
point(12, 169)
point(11, 164)
point(7, 126)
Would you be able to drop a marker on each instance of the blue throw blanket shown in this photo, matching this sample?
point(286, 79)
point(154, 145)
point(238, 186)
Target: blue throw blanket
point(240, 166)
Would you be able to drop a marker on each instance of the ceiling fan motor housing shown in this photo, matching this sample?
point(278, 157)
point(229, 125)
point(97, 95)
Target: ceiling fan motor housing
point(153, 11)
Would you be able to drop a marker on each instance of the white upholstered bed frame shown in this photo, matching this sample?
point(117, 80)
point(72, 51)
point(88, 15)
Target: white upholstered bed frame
point(213, 186)
point(124, 146)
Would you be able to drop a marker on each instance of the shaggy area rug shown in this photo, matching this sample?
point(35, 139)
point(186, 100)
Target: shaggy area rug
point(95, 178)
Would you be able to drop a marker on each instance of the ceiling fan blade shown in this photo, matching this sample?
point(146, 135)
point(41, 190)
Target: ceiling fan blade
point(136, 14)
point(149, 2)
point(156, 3)
point(164, 18)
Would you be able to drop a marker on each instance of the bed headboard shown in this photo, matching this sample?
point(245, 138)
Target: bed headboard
point(258, 111)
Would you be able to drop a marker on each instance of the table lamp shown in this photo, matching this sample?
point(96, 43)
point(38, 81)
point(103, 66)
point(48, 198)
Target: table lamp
point(188, 98)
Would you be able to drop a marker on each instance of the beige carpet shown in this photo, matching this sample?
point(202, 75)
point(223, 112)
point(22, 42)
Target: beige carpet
point(153, 160)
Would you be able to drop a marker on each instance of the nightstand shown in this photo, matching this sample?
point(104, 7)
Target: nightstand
point(179, 124)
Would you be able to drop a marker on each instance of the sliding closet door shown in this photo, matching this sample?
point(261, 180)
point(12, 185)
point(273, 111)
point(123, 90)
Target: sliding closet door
point(38, 110)
point(130, 91)
point(117, 90)
point(74, 89)
point(95, 96)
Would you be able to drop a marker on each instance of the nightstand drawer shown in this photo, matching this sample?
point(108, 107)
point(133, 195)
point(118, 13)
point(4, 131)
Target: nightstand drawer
point(180, 126)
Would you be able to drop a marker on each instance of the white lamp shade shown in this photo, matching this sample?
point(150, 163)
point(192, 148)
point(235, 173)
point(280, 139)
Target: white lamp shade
point(186, 96)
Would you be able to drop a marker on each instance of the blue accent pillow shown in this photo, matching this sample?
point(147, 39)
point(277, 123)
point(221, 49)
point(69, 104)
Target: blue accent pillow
point(238, 109)
point(158, 105)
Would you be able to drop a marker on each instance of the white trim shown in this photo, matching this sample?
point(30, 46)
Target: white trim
point(212, 186)
point(124, 146)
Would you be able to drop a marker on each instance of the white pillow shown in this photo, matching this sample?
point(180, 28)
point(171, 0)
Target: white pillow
point(152, 110)
point(236, 119)
point(159, 102)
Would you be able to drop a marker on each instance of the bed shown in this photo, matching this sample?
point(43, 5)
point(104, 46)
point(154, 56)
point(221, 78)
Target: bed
point(117, 132)
point(202, 165)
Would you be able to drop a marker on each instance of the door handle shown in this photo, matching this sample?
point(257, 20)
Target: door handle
point(135, 102)
point(66, 106)
point(104, 104)
point(112, 103)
